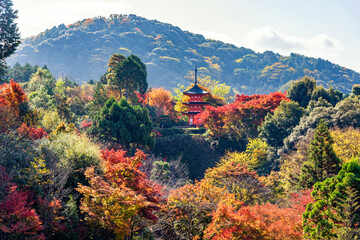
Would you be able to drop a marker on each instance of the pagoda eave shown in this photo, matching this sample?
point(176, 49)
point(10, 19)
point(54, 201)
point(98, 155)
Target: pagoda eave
point(190, 113)
point(194, 103)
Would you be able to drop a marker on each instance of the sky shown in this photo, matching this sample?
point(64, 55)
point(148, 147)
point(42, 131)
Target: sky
point(329, 29)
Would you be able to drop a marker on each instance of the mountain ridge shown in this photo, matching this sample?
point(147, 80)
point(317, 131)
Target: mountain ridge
point(82, 50)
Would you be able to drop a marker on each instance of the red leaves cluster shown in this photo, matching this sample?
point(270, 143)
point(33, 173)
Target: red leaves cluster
point(124, 171)
point(17, 217)
point(31, 133)
point(241, 117)
point(11, 94)
point(85, 125)
point(113, 201)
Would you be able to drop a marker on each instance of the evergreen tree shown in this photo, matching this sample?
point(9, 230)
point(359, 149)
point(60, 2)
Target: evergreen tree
point(100, 95)
point(9, 34)
point(335, 211)
point(123, 123)
point(322, 160)
point(301, 91)
point(278, 125)
point(356, 90)
point(130, 75)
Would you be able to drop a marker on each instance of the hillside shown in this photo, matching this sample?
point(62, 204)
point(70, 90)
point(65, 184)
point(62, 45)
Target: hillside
point(82, 50)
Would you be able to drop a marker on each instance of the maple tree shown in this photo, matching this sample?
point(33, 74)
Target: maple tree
point(12, 95)
point(113, 201)
point(31, 133)
point(162, 101)
point(17, 216)
point(266, 221)
point(242, 117)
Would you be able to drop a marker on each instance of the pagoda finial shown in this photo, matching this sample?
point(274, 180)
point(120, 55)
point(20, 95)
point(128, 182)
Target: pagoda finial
point(195, 75)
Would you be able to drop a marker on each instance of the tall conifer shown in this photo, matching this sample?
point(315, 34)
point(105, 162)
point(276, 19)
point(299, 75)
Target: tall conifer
point(322, 162)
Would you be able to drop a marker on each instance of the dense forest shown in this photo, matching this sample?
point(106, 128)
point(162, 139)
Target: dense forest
point(114, 159)
point(81, 50)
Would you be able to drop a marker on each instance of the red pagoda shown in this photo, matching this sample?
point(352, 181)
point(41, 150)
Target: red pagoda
point(196, 103)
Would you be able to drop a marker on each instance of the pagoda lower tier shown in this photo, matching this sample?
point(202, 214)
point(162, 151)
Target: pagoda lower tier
point(194, 109)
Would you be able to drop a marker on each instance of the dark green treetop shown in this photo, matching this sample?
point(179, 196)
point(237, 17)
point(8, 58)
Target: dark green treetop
point(123, 123)
point(9, 34)
point(130, 75)
point(322, 160)
point(301, 91)
point(335, 210)
point(278, 125)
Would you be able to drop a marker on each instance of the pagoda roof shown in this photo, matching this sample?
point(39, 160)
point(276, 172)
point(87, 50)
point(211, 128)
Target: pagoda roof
point(196, 90)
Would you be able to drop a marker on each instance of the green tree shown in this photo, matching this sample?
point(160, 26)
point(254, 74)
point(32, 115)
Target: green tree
point(21, 73)
point(123, 123)
point(9, 34)
point(335, 211)
point(130, 75)
point(278, 125)
point(330, 95)
point(356, 90)
point(100, 95)
point(322, 162)
point(301, 91)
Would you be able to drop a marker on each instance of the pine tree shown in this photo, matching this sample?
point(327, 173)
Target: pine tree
point(322, 160)
point(123, 123)
point(9, 34)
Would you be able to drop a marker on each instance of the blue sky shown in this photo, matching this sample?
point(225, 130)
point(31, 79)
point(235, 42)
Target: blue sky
point(329, 29)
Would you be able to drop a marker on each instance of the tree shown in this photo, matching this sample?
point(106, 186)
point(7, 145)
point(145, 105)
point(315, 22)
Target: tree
point(17, 217)
point(336, 206)
point(277, 126)
point(123, 123)
point(301, 91)
point(346, 143)
point(130, 75)
point(115, 201)
point(322, 162)
point(12, 95)
point(241, 118)
point(162, 101)
point(266, 221)
point(21, 73)
point(100, 95)
point(237, 179)
point(356, 90)
point(9, 35)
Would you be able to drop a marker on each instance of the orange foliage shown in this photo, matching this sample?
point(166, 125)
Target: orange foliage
point(124, 193)
point(12, 95)
point(161, 100)
point(267, 221)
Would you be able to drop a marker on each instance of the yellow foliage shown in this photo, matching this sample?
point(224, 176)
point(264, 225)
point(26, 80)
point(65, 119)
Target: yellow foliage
point(50, 121)
point(253, 157)
point(346, 143)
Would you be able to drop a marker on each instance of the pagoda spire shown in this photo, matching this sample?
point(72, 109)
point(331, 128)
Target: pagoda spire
point(195, 75)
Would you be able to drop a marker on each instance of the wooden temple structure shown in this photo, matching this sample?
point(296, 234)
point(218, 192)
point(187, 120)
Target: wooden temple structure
point(196, 104)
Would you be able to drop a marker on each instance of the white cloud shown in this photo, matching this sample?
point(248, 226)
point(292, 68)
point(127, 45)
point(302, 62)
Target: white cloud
point(37, 16)
point(267, 38)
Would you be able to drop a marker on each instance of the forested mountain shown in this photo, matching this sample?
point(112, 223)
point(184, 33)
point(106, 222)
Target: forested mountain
point(83, 49)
